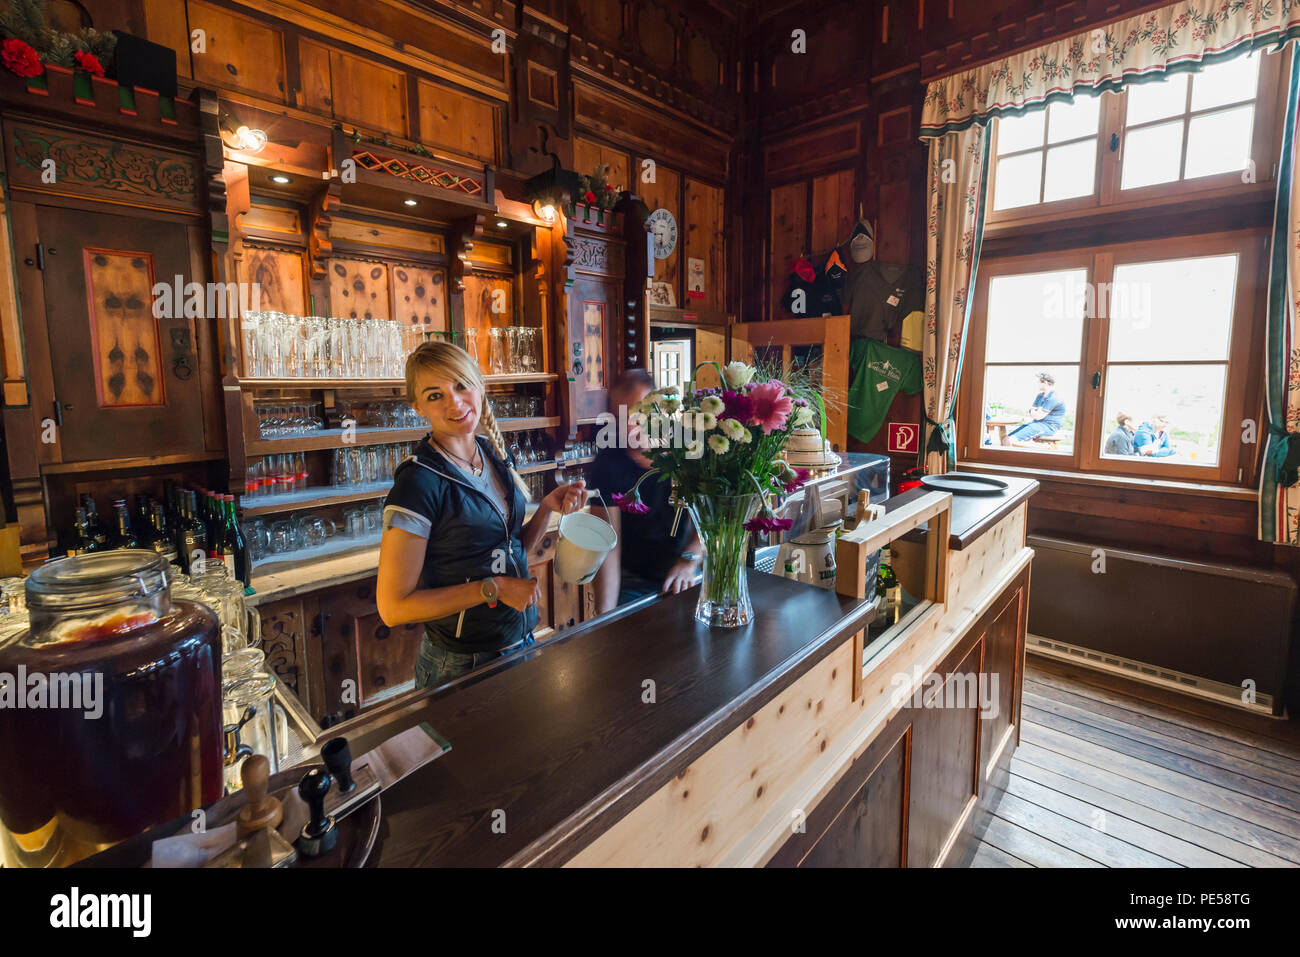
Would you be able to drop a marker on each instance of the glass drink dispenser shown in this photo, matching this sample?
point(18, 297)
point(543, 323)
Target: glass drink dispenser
point(112, 720)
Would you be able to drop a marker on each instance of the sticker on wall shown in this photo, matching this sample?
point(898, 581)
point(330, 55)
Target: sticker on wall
point(695, 278)
point(663, 227)
point(903, 437)
point(661, 294)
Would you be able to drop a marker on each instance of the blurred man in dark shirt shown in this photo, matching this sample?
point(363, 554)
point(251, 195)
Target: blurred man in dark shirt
point(648, 558)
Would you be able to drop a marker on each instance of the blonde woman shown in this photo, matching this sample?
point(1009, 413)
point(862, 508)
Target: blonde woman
point(454, 548)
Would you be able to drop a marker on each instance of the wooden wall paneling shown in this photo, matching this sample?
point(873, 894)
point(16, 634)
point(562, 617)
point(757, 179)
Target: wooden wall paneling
point(215, 348)
point(459, 122)
point(834, 211)
point(315, 92)
point(665, 193)
point(704, 241)
point(483, 292)
point(167, 23)
point(385, 238)
point(588, 154)
point(279, 274)
point(788, 236)
point(359, 288)
point(242, 52)
point(420, 295)
point(368, 93)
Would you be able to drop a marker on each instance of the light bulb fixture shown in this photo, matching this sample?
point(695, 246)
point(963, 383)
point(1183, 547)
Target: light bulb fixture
point(240, 136)
point(544, 211)
point(551, 191)
point(281, 179)
point(501, 224)
point(409, 202)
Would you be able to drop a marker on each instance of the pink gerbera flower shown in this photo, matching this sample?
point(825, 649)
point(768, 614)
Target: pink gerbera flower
point(772, 406)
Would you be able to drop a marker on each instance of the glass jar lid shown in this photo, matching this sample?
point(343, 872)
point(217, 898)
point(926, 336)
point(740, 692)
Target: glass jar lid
point(81, 582)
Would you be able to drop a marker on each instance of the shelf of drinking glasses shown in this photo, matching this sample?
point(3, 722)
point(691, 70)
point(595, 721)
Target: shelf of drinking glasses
point(521, 425)
point(323, 383)
point(333, 439)
point(511, 378)
point(546, 466)
point(314, 497)
point(337, 545)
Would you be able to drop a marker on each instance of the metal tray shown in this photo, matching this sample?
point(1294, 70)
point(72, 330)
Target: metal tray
point(964, 483)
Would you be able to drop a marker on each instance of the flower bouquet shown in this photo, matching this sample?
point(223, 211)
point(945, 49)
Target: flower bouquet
point(722, 450)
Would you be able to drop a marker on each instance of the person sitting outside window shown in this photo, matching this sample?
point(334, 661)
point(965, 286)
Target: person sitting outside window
point(1120, 442)
point(1047, 413)
point(1153, 439)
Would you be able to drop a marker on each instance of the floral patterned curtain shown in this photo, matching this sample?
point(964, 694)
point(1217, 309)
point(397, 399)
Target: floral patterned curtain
point(1182, 36)
point(958, 174)
point(1279, 496)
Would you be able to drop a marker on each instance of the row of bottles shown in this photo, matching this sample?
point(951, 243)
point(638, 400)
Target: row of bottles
point(187, 525)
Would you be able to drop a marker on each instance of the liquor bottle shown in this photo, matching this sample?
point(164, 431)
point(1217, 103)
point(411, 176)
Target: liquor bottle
point(97, 530)
point(124, 534)
point(887, 585)
point(159, 538)
point(85, 541)
point(191, 537)
point(236, 547)
point(140, 520)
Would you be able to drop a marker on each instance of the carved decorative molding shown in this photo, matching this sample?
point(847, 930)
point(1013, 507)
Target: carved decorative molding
point(419, 172)
point(319, 246)
point(103, 166)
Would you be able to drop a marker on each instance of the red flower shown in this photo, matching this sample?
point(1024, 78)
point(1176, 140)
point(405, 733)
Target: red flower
point(89, 62)
point(630, 503)
point(608, 188)
point(20, 58)
point(590, 197)
point(800, 477)
point(762, 523)
point(738, 406)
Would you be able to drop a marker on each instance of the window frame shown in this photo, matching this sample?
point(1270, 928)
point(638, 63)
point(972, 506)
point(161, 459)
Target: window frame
point(1243, 397)
point(1108, 168)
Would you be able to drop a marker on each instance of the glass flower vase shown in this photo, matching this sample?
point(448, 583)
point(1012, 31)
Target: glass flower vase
point(724, 591)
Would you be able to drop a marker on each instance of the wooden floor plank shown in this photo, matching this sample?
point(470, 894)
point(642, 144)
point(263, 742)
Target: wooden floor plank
point(1143, 812)
point(1251, 770)
point(1211, 725)
point(1228, 826)
point(1210, 795)
point(1107, 821)
point(986, 855)
point(1208, 735)
point(1102, 847)
point(1030, 848)
point(1280, 732)
point(1285, 800)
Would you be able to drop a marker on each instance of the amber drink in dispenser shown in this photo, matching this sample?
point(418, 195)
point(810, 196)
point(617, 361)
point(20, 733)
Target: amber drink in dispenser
point(127, 734)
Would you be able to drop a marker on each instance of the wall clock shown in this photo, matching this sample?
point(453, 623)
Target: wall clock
point(663, 227)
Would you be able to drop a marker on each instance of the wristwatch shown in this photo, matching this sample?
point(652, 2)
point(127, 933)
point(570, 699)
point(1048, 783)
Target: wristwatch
point(488, 587)
point(691, 557)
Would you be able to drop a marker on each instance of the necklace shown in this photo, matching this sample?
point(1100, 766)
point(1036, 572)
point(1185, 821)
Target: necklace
point(468, 464)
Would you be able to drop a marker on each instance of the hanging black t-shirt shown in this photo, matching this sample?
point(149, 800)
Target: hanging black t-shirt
point(880, 295)
point(648, 551)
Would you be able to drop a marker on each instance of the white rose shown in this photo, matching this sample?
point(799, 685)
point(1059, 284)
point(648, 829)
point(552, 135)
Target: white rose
point(802, 416)
point(719, 444)
point(737, 374)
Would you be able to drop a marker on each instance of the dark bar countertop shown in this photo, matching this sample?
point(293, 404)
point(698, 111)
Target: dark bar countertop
point(972, 515)
point(563, 741)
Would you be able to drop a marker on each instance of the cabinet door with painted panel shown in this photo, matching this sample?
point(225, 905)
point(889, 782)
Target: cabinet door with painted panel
point(359, 648)
point(125, 362)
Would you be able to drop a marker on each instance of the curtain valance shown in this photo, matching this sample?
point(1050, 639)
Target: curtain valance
point(1181, 37)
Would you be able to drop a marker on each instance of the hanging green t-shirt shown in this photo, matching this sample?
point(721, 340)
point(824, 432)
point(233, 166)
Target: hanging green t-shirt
point(877, 372)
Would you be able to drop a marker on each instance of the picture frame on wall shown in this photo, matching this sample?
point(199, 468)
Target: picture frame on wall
point(661, 294)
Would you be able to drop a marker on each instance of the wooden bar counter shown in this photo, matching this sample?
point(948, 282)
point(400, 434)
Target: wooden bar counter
point(644, 738)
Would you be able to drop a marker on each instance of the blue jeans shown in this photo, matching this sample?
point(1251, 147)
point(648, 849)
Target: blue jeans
point(435, 665)
point(1032, 430)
